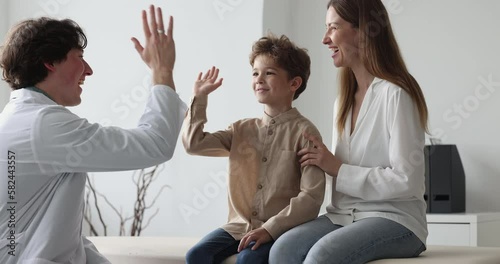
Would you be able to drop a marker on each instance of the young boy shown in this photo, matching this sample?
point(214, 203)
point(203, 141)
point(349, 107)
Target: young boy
point(269, 192)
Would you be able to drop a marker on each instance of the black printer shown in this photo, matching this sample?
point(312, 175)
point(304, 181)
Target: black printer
point(444, 179)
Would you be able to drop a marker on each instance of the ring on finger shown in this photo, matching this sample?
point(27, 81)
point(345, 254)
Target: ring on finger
point(161, 31)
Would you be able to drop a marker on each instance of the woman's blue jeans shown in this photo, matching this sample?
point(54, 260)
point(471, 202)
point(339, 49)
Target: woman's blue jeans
point(322, 242)
point(219, 245)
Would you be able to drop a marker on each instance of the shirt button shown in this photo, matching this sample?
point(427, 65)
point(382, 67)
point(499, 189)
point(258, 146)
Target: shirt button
point(259, 186)
point(273, 122)
point(254, 213)
point(264, 159)
point(270, 132)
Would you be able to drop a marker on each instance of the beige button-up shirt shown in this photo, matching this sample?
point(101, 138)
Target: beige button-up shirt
point(267, 186)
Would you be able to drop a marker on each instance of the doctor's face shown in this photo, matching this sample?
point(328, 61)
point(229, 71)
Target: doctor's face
point(70, 75)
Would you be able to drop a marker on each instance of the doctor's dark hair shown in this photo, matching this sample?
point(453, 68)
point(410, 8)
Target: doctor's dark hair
point(33, 42)
point(294, 60)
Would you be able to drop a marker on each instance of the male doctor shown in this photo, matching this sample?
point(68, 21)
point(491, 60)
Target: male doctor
point(46, 151)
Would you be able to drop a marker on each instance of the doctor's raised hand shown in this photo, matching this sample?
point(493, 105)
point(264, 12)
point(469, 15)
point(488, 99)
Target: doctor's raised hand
point(158, 51)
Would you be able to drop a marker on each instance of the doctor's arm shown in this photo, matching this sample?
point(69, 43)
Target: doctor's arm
point(63, 142)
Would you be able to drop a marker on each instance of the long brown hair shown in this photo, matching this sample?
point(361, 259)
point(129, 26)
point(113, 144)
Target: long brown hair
point(380, 55)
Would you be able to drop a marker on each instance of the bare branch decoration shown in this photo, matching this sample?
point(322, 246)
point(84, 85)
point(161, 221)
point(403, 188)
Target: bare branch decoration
point(142, 179)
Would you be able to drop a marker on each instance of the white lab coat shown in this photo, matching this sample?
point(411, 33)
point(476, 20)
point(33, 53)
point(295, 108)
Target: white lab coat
point(383, 170)
point(53, 149)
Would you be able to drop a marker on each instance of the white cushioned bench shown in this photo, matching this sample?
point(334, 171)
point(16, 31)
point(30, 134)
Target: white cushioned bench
point(172, 250)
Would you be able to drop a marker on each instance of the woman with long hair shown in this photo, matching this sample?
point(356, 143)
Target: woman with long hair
point(377, 164)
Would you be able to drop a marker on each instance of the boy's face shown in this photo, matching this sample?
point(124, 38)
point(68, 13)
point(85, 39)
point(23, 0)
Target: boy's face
point(271, 84)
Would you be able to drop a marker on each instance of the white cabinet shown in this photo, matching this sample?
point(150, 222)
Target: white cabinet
point(464, 229)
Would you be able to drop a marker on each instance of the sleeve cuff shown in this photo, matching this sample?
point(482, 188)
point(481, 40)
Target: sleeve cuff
point(199, 100)
point(341, 182)
point(273, 229)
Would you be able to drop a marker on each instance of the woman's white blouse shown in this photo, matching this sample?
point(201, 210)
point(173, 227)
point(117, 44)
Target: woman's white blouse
point(383, 170)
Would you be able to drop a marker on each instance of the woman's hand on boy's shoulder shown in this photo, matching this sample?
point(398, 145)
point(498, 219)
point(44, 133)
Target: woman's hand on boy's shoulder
point(320, 156)
point(207, 83)
point(259, 236)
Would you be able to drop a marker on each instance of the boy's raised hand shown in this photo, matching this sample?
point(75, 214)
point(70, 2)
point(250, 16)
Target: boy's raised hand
point(207, 83)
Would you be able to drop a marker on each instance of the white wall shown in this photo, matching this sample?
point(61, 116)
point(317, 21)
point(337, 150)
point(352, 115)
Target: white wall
point(277, 17)
point(4, 25)
point(451, 47)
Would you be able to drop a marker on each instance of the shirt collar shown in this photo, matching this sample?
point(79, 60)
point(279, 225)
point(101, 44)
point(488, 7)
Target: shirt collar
point(281, 118)
point(29, 96)
point(375, 81)
point(38, 90)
